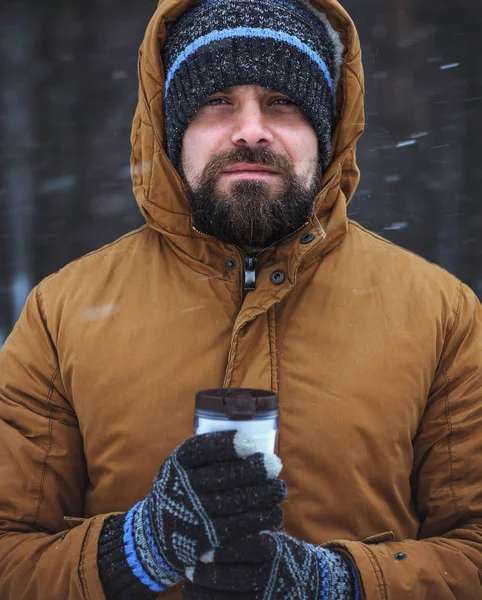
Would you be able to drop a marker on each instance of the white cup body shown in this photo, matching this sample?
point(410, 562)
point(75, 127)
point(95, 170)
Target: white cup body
point(264, 431)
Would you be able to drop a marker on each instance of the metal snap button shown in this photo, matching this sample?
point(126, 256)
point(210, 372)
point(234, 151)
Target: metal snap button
point(400, 556)
point(230, 264)
point(277, 277)
point(307, 238)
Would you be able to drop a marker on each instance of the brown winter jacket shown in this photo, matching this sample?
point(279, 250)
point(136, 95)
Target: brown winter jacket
point(375, 353)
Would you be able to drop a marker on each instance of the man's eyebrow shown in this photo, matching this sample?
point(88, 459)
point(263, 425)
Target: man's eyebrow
point(231, 90)
point(228, 90)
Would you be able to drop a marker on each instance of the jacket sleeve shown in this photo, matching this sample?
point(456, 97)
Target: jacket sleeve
point(446, 561)
point(42, 474)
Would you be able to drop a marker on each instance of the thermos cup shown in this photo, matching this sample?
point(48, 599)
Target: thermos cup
point(243, 409)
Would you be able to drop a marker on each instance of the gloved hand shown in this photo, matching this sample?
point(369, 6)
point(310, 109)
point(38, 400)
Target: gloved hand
point(271, 566)
point(211, 490)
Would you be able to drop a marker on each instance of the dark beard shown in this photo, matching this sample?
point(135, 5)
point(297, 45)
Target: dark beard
point(251, 216)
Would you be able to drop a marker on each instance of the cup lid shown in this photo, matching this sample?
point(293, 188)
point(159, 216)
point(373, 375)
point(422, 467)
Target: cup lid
point(237, 403)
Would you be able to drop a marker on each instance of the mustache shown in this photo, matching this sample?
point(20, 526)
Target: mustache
point(260, 156)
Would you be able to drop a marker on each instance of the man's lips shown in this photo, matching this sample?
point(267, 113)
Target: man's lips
point(246, 168)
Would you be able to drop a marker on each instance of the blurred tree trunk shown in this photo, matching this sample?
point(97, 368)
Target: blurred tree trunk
point(17, 44)
point(470, 244)
point(66, 52)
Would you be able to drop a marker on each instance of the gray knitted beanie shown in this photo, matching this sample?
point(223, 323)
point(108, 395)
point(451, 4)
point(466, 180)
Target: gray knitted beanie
point(283, 45)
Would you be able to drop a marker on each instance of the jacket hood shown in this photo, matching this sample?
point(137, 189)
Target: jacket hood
point(158, 188)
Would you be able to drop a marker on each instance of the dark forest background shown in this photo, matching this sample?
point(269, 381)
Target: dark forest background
point(68, 89)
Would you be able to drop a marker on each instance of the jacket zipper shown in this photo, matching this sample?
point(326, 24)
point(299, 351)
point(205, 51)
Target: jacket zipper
point(250, 273)
point(250, 262)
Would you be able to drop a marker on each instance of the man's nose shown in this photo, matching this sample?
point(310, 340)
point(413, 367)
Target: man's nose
point(251, 129)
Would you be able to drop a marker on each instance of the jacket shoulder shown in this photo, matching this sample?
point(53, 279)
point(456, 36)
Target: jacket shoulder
point(398, 261)
point(100, 278)
point(96, 261)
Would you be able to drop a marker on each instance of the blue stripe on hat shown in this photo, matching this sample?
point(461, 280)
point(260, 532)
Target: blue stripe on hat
point(248, 32)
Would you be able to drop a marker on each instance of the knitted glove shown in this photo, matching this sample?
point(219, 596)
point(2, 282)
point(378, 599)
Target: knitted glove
point(211, 490)
point(271, 566)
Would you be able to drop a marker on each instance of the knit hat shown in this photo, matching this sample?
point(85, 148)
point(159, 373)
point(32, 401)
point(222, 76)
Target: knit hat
point(283, 45)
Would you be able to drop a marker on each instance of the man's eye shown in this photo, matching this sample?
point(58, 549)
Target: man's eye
point(285, 102)
point(214, 101)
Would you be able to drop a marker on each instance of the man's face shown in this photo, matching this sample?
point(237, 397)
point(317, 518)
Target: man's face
point(250, 161)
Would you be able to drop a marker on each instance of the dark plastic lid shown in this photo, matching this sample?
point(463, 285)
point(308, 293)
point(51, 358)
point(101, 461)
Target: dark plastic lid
point(237, 403)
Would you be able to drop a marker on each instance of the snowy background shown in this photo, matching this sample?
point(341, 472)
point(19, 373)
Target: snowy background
point(68, 89)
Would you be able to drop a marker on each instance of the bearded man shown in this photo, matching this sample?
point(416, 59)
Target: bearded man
point(248, 274)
